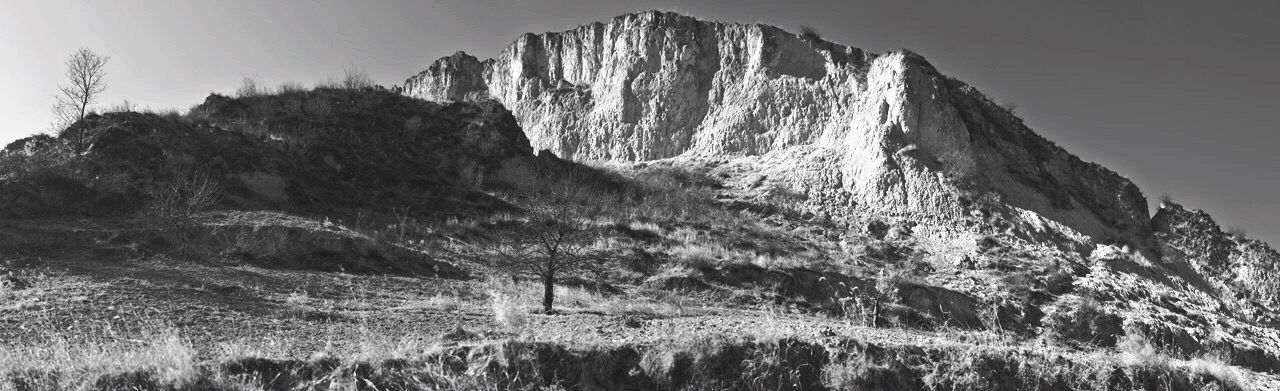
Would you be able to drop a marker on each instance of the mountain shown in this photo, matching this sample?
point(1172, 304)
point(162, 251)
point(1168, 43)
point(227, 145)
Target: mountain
point(737, 207)
point(883, 134)
point(892, 149)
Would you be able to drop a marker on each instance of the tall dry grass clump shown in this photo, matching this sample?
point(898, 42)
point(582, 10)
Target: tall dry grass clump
point(157, 358)
point(506, 302)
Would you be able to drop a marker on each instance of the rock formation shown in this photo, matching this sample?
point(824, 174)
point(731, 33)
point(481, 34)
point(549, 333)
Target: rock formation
point(1237, 266)
point(313, 150)
point(887, 133)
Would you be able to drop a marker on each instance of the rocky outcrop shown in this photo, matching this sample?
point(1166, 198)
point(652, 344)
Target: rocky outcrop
point(457, 77)
point(312, 151)
point(1245, 268)
point(884, 133)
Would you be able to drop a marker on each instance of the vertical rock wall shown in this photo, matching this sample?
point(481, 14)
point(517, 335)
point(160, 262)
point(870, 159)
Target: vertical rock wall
point(894, 136)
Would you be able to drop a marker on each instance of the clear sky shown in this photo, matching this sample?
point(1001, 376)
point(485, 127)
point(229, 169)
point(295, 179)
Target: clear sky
point(1180, 96)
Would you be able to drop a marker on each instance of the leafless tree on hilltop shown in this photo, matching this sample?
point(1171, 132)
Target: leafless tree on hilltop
point(86, 71)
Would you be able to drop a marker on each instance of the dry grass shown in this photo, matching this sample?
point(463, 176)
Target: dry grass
point(290, 87)
point(780, 262)
point(702, 256)
point(298, 297)
point(512, 302)
point(1136, 351)
point(1215, 366)
point(442, 302)
point(767, 357)
point(508, 311)
point(162, 352)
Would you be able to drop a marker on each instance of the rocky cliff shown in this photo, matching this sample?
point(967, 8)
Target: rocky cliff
point(885, 133)
point(1237, 267)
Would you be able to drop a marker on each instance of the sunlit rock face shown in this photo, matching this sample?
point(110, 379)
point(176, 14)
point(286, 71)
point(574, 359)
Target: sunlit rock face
point(1237, 266)
point(853, 131)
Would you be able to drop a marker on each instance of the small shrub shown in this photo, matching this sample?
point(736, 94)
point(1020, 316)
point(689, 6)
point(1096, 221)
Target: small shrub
point(1136, 350)
point(291, 87)
point(11, 283)
point(471, 175)
point(1080, 319)
point(356, 79)
point(174, 205)
point(414, 124)
point(640, 261)
point(170, 114)
point(1059, 280)
point(684, 235)
point(249, 88)
point(1009, 107)
point(809, 33)
point(123, 107)
point(888, 289)
point(299, 297)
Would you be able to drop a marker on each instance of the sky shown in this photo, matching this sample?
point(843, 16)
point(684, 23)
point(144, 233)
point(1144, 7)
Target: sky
point(1180, 96)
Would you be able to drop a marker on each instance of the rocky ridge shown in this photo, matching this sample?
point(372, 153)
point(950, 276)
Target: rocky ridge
point(850, 131)
point(1237, 267)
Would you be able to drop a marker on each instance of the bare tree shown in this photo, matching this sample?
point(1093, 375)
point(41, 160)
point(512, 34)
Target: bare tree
point(356, 79)
point(175, 206)
point(249, 87)
point(558, 238)
point(86, 71)
point(869, 302)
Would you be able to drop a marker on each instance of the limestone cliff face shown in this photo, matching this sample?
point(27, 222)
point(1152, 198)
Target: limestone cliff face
point(454, 78)
point(887, 133)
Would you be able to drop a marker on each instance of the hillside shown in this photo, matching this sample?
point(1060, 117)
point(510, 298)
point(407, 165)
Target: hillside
point(656, 202)
point(872, 141)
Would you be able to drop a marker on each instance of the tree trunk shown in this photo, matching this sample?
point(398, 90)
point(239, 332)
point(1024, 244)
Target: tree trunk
point(79, 147)
point(548, 292)
point(875, 314)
